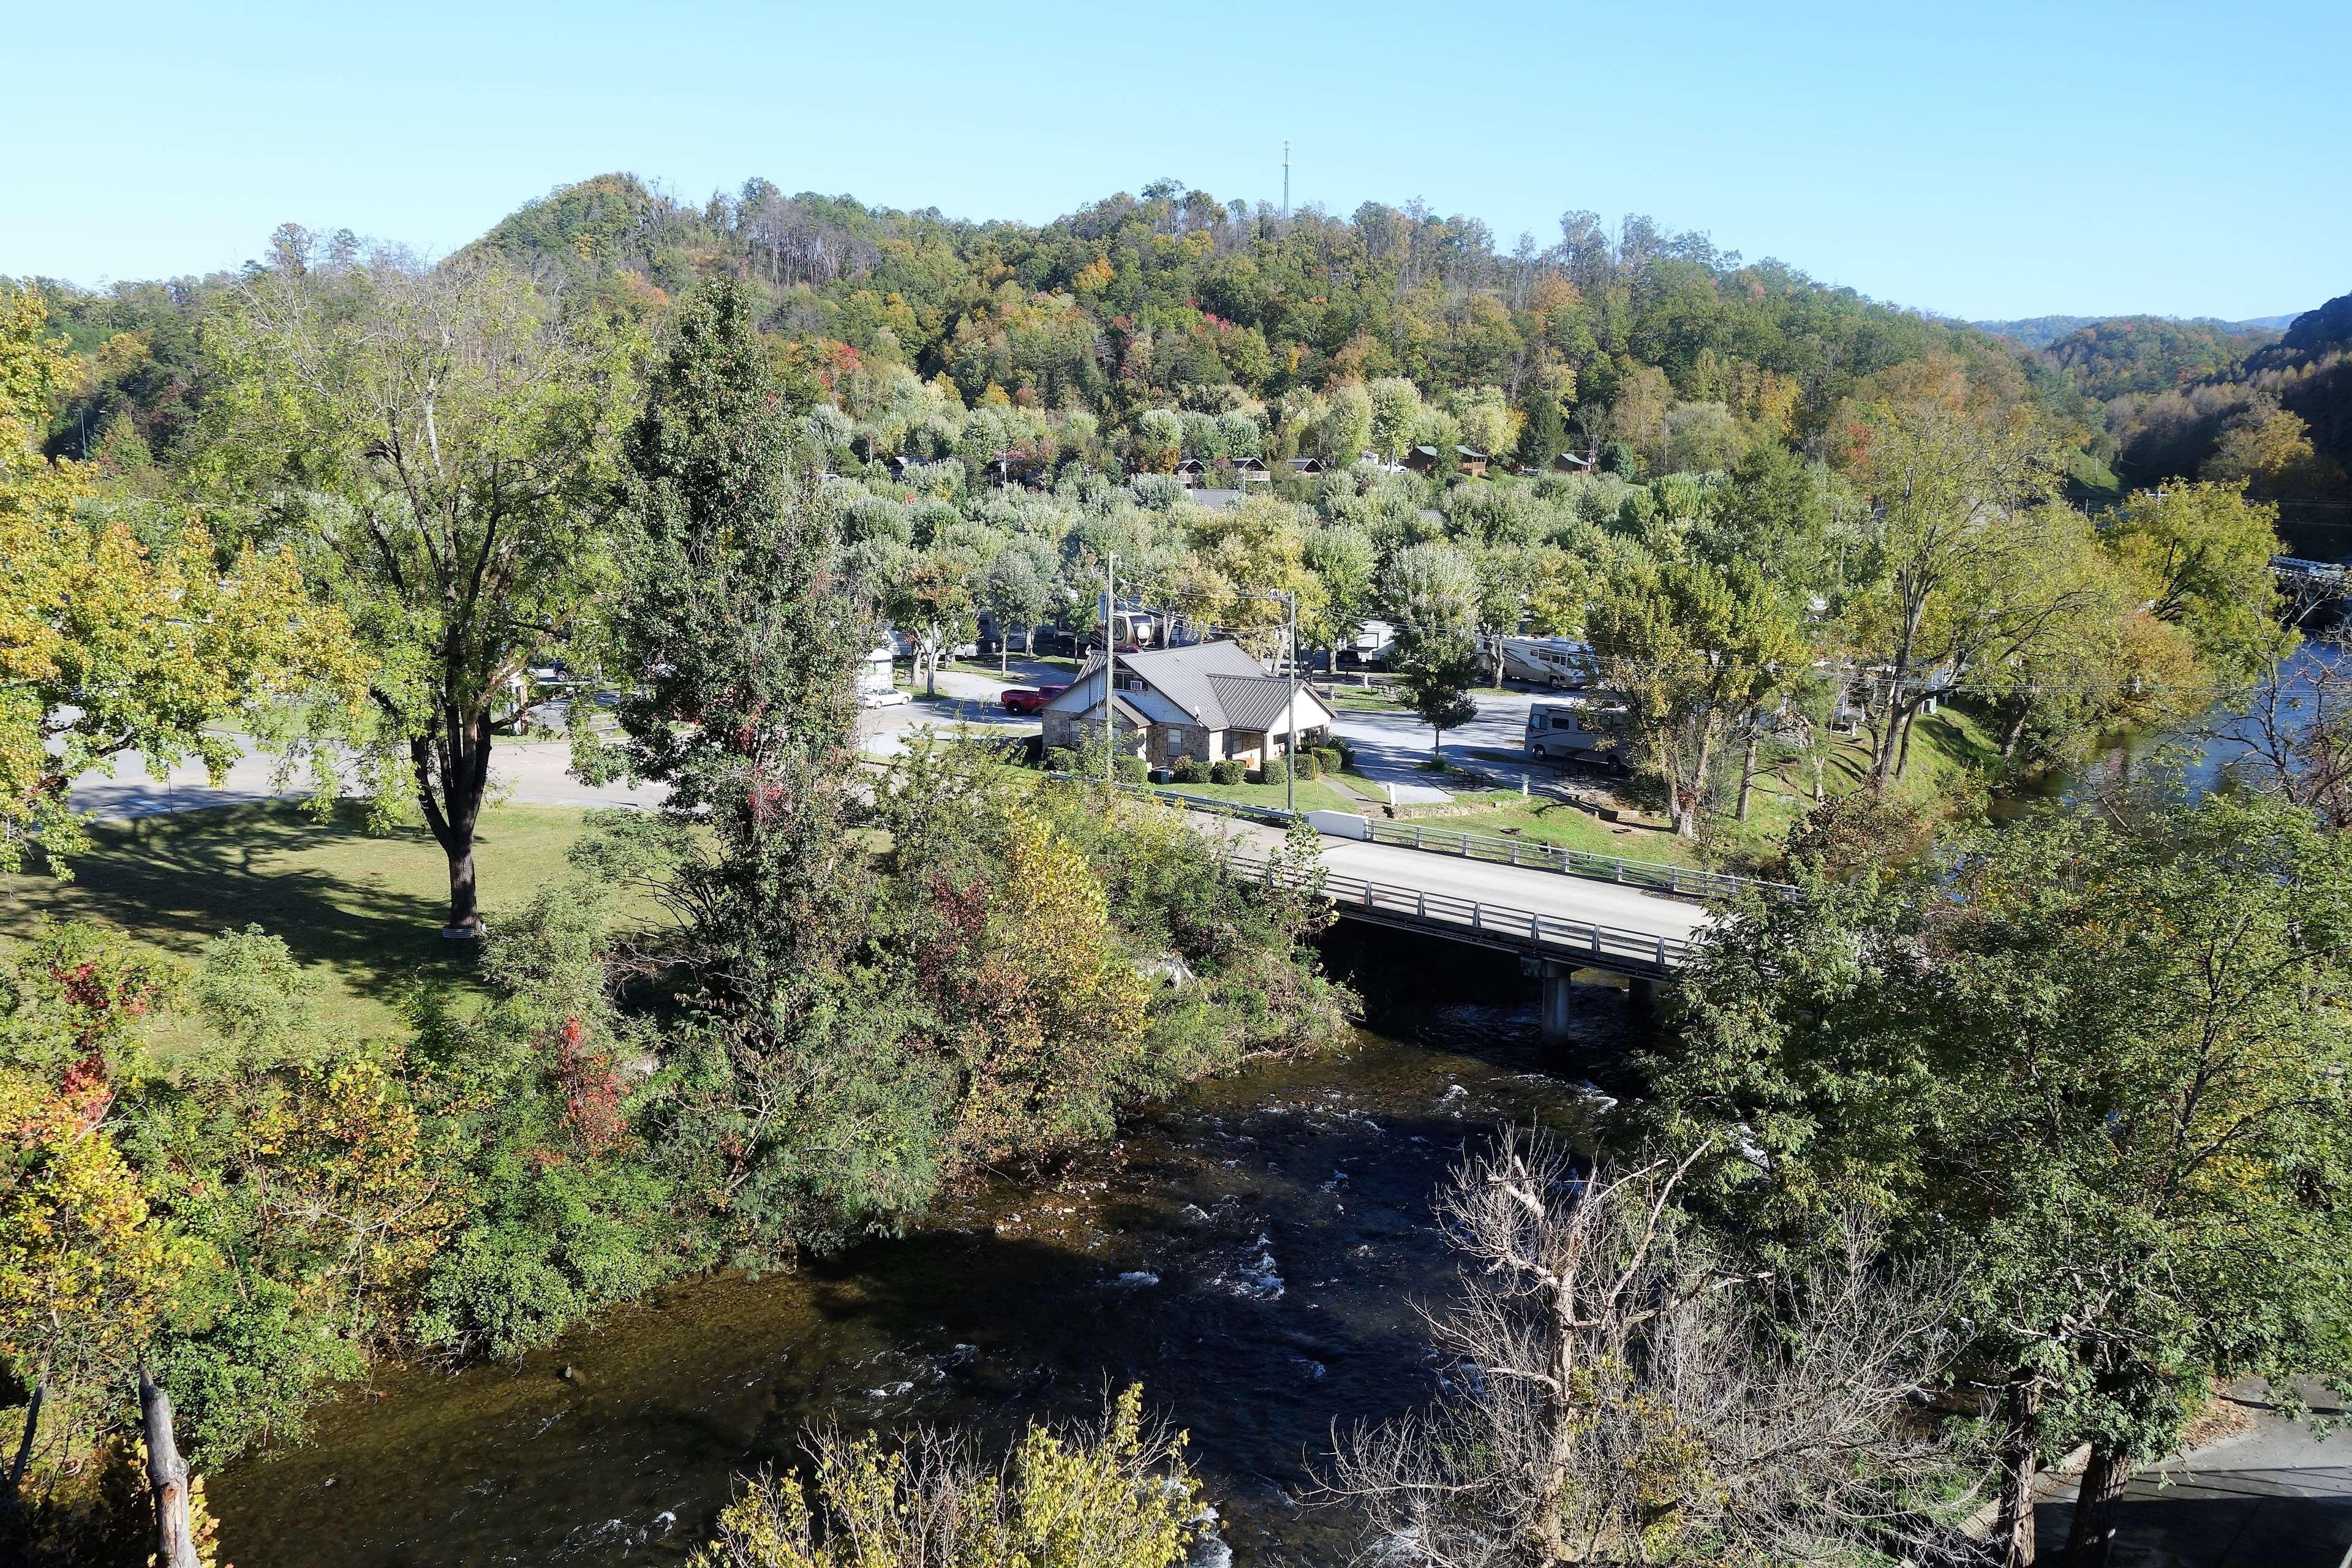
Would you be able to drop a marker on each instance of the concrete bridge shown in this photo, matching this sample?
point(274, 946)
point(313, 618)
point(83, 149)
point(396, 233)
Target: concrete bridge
point(1556, 923)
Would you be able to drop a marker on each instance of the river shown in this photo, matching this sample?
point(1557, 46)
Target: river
point(1251, 1252)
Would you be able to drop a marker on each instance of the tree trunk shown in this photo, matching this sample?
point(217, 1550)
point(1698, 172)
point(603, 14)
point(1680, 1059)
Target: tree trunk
point(1903, 759)
point(2093, 1531)
point(464, 912)
point(2016, 732)
point(12, 1496)
point(1748, 771)
point(459, 761)
point(167, 1480)
point(2013, 1536)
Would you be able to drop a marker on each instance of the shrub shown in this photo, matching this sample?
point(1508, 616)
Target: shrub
point(1190, 770)
point(1332, 757)
point(1275, 770)
point(1229, 772)
point(1311, 766)
point(1132, 769)
point(1061, 759)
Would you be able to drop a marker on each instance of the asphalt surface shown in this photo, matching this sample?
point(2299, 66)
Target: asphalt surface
point(2272, 1496)
point(1518, 888)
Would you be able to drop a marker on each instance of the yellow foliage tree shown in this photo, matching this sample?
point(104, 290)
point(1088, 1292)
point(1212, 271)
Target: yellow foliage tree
point(112, 648)
point(1115, 1494)
point(85, 1268)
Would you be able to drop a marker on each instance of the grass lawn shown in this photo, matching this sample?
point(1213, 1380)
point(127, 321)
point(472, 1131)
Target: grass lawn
point(366, 910)
point(988, 668)
point(1947, 748)
point(1540, 820)
point(1314, 795)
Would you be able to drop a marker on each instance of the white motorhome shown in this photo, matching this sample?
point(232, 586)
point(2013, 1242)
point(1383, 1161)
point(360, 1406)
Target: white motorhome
point(1555, 662)
point(1567, 731)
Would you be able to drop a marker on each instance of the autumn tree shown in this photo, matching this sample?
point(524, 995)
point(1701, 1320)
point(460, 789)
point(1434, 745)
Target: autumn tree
point(1960, 552)
point(117, 642)
point(1111, 1493)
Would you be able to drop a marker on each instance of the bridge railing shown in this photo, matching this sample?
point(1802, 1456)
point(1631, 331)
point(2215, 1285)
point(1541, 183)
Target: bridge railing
point(1683, 881)
point(1556, 937)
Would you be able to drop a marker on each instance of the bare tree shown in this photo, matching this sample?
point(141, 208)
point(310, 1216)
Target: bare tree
point(167, 1479)
point(1618, 1393)
point(2296, 736)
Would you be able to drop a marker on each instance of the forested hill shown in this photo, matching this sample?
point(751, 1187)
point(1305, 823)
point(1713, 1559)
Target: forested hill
point(1173, 294)
point(1169, 299)
point(2279, 415)
point(2040, 331)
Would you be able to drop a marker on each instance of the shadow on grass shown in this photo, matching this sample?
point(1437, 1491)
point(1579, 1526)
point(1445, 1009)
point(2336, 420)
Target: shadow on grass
point(367, 907)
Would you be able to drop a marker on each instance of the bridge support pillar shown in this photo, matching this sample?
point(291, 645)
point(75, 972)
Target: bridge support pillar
point(1644, 995)
point(1557, 999)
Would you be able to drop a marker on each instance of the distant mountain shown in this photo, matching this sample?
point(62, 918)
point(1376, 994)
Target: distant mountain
point(2040, 331)
point(2122, 354)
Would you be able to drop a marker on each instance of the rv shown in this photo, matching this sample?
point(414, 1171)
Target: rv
point(1554, 662)
point(1565, 732)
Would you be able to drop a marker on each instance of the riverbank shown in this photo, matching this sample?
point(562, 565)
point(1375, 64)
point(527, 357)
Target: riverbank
point(1266, 1232)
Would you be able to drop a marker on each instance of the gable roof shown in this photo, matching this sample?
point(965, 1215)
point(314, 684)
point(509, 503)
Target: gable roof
point(1180, 675)
point(1254, 701)
point(1217, 685)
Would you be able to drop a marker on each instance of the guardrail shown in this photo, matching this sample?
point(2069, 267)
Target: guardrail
point(1645, 954)
point(1656, 876)
point(1683, 881)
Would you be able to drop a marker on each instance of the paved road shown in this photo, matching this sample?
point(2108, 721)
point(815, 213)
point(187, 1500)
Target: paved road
point(1504, 887)
point(2271, 1496)
point(529, 772)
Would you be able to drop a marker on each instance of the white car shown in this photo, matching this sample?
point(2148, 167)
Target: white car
point(893, 698)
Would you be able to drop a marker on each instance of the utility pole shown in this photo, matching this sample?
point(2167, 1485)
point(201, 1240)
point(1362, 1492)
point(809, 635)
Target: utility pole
point(1290, 712)
point(1285, 178)
point(1110, 667)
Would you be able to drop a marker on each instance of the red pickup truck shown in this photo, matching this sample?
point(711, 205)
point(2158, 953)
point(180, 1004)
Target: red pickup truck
point(1029, 698)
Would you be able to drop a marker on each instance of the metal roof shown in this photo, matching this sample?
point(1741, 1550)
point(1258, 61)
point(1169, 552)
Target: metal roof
point(1219, 685)
point(1255, 701)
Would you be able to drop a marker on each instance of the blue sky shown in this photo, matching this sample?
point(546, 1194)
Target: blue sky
point(1988, 159)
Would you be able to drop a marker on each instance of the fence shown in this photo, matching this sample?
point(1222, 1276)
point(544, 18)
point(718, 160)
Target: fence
point(1683, 882)
point(1646, 955)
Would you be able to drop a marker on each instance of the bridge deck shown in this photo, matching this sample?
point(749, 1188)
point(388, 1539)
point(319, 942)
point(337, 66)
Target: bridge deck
point(1559, 901)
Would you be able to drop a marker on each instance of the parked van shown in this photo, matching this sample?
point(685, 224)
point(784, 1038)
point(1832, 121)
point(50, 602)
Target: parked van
point(1559, 732)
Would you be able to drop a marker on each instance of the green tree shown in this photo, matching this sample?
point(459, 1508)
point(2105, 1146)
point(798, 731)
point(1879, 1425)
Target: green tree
point(1015, 595)
point(746, 710)
point(437, 443)
point(2203, 553)
point(2082, 1053)
point(1962, 558)
point(1690, 651)
point(1433, 590)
